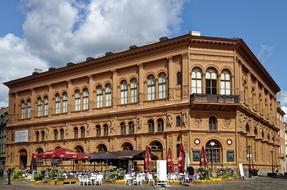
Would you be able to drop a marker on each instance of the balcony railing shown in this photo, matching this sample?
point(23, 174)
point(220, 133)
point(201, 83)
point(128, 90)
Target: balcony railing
point(210, 98)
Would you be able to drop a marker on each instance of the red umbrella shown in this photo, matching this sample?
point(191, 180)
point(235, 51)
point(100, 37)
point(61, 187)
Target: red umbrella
point(61, 153)
point(203, 160)
point(170, 164)
point(147, 160)
point(181, 158)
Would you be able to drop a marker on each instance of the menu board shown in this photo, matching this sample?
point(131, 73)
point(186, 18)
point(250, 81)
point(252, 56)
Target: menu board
point(161, 170)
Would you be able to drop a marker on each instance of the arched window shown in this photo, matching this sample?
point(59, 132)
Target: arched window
point(108, 95)
point(179, 78)
point(225, 83)
point(83, 134)
point(213, 152)
point(211, 82)
point(123, 128)
point(160, 125)
point(131, 127)
point(106, 130)
point(127, 146)
point(43, 135)
point(151, 87)
point(23, 110)
point(162, 86)
point(37, 136)
point(157, 149)
point(65, 102)
point(85, 99)
point(178, 121)
point(76, 133)
point(99, 96)
point(77, 100)
point(58, 104)
point(134, 90)
point(102, 148)
point(124, 92)
point(29, 108)
point(79, 148)
point(196, 81)
point(98, 131)
point(62, 134)
point(39, 107)
point(55, 134)
point(46, 105)
point(212, 123)
point(150, 126)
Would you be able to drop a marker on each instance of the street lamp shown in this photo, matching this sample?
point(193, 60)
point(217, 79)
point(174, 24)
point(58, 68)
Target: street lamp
point(212, 143)
point(249, 156)
point(272, 161)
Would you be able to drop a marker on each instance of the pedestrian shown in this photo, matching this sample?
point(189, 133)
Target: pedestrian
point(9, 172)
point(1, 172)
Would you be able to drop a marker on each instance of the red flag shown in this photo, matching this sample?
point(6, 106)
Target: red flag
point(170, 164)
point(181, 158)
point(147, 160)
point(203, 160)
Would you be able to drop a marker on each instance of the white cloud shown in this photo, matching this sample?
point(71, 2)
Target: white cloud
point(59, 31)
point(265, 52)
point(16, 61)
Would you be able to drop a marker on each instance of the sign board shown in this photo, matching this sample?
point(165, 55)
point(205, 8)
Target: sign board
point(21, 136)
point(241, 172)
point(161, 170)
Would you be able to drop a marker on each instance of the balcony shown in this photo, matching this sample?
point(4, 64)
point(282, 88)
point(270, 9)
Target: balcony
point(218, 102)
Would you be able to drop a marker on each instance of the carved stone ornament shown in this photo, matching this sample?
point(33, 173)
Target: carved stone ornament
point(197, 121)
point(139, 123)
point(227, 123)
point(184, 119)
point(169, 120)
point(112, 125)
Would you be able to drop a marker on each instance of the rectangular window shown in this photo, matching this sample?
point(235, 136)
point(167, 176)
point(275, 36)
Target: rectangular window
point(99, 100)
point(108, 99)
point(134, 95)
point(85, 103)
point(162, 91)
point(230, 156)
point(196, 155)
point(77, 104)
point(151, 93)
point(124, 97)
point(58, 107)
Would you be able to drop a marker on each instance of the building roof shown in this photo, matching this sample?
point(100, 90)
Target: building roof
point(188, 39)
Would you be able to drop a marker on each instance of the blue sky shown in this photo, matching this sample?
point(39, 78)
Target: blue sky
point(261, 23)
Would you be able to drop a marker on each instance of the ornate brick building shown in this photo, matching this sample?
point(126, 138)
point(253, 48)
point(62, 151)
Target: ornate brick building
point(190, 89)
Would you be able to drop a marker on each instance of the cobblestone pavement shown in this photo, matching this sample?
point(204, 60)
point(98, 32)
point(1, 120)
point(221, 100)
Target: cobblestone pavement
point(256, 183)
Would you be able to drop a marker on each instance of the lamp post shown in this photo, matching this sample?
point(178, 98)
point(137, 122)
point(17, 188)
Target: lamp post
point(212, 143)
point(249, 156)
point(272, 161)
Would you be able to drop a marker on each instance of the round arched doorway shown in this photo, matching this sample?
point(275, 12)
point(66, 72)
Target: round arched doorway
point(214, 152)
point(156, 149)
point(127, 146)
point(23, 159)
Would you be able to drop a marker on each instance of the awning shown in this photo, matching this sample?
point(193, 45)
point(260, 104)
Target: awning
point(120, 155)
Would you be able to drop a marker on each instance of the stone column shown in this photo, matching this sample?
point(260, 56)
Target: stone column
point(171, 77)
point(141, 83)
point(115, 88)
point(185, 76)
point(91, 93)
point(70, 96)
point(50, 101)
point(249, 93)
